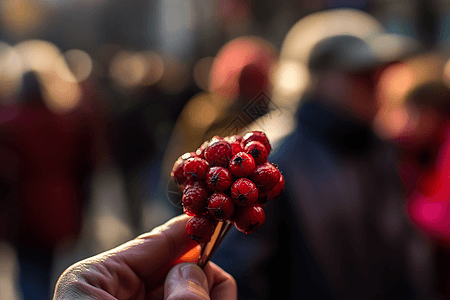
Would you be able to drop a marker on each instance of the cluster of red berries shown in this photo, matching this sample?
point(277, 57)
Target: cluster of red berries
point(227, 178)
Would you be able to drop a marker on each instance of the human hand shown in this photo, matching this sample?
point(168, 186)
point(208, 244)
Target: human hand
point(139, 269)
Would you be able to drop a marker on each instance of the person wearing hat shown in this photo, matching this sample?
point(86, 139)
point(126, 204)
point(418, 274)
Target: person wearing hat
point(339, 231)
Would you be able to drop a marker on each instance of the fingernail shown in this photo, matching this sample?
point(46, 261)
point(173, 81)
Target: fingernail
point(186, 281)
point(194, 273)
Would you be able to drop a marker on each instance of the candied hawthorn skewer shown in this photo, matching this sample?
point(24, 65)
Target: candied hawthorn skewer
point(226, 182)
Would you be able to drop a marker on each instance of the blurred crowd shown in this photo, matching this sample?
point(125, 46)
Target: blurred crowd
point(99, 98)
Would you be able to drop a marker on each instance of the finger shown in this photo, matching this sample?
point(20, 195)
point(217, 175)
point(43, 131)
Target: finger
point(186, 281)
point(221, 284)
point(151, 252)
point(157, 286)
point(147, 258)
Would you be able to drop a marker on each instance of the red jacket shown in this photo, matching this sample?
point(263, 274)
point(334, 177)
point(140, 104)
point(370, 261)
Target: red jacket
point(428, 201)
point(53, 158)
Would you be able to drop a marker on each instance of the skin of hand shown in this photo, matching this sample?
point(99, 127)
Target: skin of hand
point(155, 265)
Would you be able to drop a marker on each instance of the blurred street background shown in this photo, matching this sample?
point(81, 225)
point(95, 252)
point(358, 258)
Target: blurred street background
point(91, 93)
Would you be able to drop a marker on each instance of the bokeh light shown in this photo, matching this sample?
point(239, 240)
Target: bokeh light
point(393, 85)
point(291, 78)
point(80, 63)
point(61, 91)
point(446, 75)
point(396, 82)
point(9, 271)
point(176, 76)
point(11, 70)
point(61, 96)
point(155, 68)
point(201, 111)
point(201, 71)
point(38, 55)
point(128, 69)
point(22, 17)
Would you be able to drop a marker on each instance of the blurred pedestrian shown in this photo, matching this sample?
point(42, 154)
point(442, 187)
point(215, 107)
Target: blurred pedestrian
point(340, 229)
point(429, 198)
point(414, 115)
point(140, 135)
point(48, 157)
point(240, 73)
point(420, 129)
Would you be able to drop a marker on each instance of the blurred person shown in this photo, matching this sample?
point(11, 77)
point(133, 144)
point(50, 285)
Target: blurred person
point(139, 138)
point(240, 73)
point(46, 159)
point(339, 231)
point(155, 265)
point(414, 115)
point(428, 200)
point(422, 140)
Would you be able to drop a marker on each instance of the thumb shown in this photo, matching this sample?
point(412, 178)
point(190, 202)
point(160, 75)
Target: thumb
point(186, 281)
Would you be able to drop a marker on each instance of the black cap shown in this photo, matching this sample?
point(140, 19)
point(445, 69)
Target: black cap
point(350, 53)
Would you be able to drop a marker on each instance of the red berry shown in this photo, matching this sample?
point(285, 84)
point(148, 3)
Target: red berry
point(195, 200)
point(218, 153)
point(242, 164)
point(177, 173)
point(195, 168)
point(262, 198)
point(220, 206)
point(258, 151)
point(192, 184)
point(177, 170)
point(249, 218)
point(256, 136)
point(218, 179)
point(277, 190)
point(236, 147)
point(265, 176)
point(200, 228)
point(244, 192)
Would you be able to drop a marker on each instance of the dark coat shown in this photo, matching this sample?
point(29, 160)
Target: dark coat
point(339, 231)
